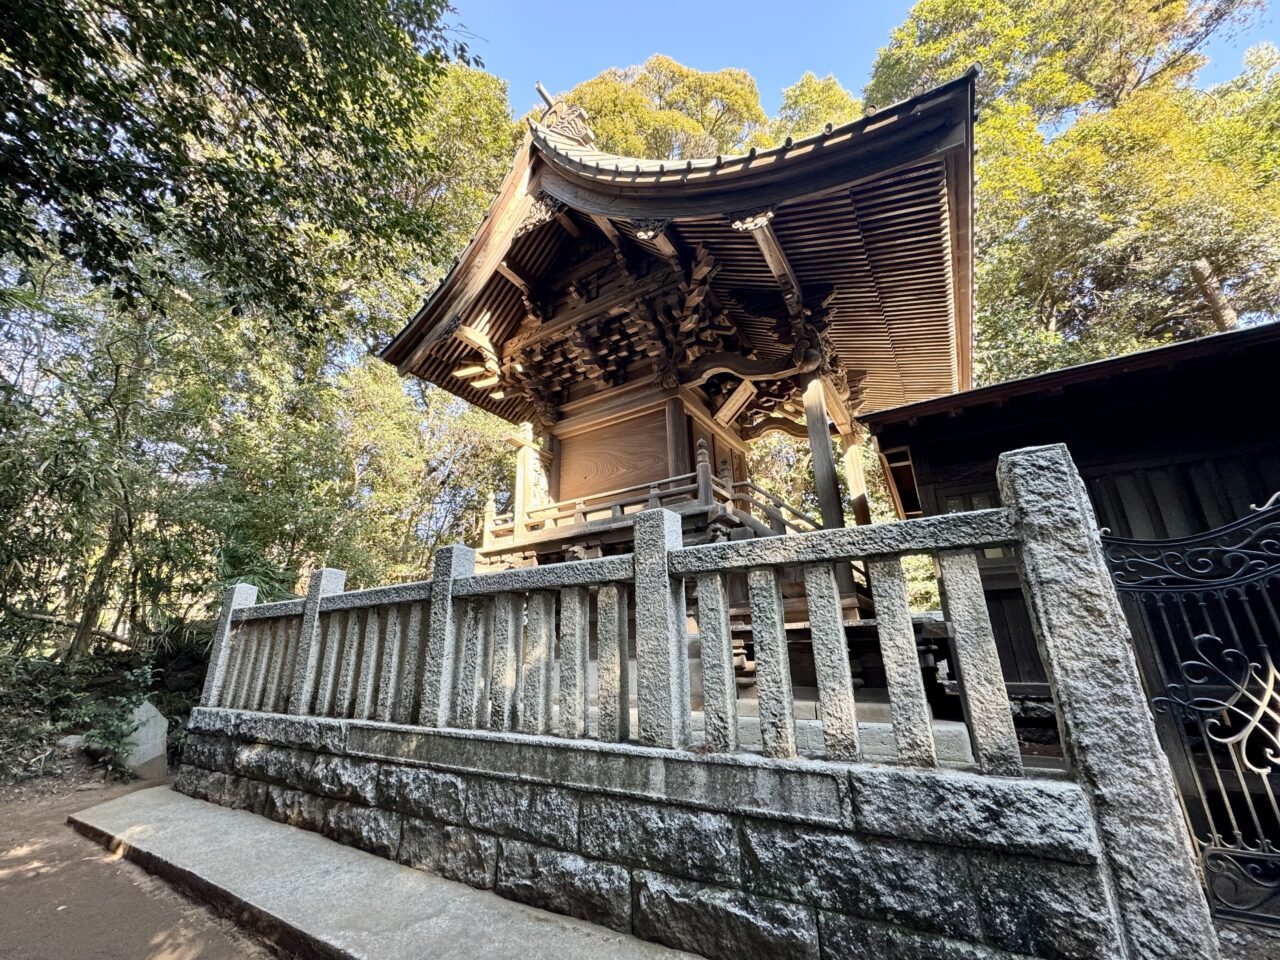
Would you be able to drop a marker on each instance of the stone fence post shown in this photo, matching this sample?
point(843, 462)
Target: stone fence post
point(306, 666)
point(442, 648)
point(662, 654)
point(1106, 726)
point(234, 597)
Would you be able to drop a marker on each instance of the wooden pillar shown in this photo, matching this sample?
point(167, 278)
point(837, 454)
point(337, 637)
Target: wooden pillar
point(855, 477)
point(824, 463)
point(534, 485)
point(677, 439)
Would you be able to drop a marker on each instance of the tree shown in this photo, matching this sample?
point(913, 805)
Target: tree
point(1053, 56)
point(665, 109)
point(153, 449)
point(235, 133)
point(1117, 206)
point(808, 106)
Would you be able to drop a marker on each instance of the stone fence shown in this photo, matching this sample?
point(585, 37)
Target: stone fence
point(449, 723)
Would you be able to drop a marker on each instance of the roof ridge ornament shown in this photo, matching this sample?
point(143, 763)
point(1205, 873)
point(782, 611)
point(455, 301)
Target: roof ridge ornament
point(565, 119)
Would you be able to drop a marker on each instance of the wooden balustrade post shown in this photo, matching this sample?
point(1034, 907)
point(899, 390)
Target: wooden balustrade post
point(662, 656)
point(706, 490)
point(438, 672)
point(490, 517)
point(305, 670)
point(233, 598)
point(1103, 715)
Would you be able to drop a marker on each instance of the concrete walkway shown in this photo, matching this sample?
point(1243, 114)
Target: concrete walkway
point(309, 894)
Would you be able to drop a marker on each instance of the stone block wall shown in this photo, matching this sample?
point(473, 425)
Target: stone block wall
point(727, 856)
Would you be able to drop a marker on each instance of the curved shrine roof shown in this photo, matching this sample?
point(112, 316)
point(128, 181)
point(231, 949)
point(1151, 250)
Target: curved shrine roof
point(874, 217)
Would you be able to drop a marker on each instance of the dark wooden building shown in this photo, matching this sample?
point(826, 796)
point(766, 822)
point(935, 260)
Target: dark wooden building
point(1171, 442)
point(644, 320)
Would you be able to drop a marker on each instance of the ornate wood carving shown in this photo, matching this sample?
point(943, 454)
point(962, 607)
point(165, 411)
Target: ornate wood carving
point(545, 209)
point(679, 329)
point(749, 220)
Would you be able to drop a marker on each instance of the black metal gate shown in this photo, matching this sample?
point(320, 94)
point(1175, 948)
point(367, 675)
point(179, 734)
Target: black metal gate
point(1205, 615)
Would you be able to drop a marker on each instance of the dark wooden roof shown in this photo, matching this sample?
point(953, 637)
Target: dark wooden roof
point(878, 212)
point(1172, 358)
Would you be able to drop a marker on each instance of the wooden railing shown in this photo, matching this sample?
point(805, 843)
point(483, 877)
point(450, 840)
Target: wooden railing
point(748, 503)
point(781, 516)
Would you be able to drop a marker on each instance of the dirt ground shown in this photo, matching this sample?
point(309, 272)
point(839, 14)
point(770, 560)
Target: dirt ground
point(66, 898)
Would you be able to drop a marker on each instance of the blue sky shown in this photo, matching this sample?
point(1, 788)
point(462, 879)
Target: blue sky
point(565, 42)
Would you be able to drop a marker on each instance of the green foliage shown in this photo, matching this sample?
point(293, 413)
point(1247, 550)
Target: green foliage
point(1103, 173)
point(40, 700)
point(808, 106)
point(665, 109)
point(154, 449)
point(241, 134)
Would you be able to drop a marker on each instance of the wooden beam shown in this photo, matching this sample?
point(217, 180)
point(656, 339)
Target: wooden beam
point(854, 475)
point(780, 267)
point(567, 224)
point(477, 339)
point(581, 311)
point(605, 226)
point(824, 464)
point(736, 402)
point(791, 428)
point(742, 367)
point(840, 413)
point(677, 438)
point(655, 231)
point(511, 273)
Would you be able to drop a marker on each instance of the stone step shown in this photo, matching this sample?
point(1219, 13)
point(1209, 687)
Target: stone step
point(314, 897)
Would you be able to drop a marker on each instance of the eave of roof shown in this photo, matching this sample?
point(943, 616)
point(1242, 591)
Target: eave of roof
point(636, 173)
point(1098, 370)
point(936, 123)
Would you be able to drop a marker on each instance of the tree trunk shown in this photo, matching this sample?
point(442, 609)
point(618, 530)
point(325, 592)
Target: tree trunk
point(96, 596)
point(1224, 317)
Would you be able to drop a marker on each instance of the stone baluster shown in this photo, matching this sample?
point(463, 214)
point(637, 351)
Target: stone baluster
point(573, 661)
point(504, 678)
point(440, 668)
point(539, 648)
point(662, 659)
point(984, 697)
point(773, 670)
point(908, 707)
point(1103, 715)
point(831, 663)
point(233, 598)
point(306, 664)
point(614, 665)
point(719, 686)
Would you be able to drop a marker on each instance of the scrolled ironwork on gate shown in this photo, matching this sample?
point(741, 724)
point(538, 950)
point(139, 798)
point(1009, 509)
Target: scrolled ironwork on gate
point(1205, 614)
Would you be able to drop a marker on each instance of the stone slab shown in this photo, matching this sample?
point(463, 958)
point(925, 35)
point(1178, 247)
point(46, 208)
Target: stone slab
point(148, 744)
point(316, 897)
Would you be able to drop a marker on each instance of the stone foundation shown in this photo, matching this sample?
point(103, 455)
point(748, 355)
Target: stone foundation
point(728, 856)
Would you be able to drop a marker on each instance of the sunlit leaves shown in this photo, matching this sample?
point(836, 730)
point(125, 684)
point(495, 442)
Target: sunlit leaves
point(1102, 172)
point(245, 133)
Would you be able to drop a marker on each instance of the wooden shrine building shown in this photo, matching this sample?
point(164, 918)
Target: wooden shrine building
point(644, 320)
